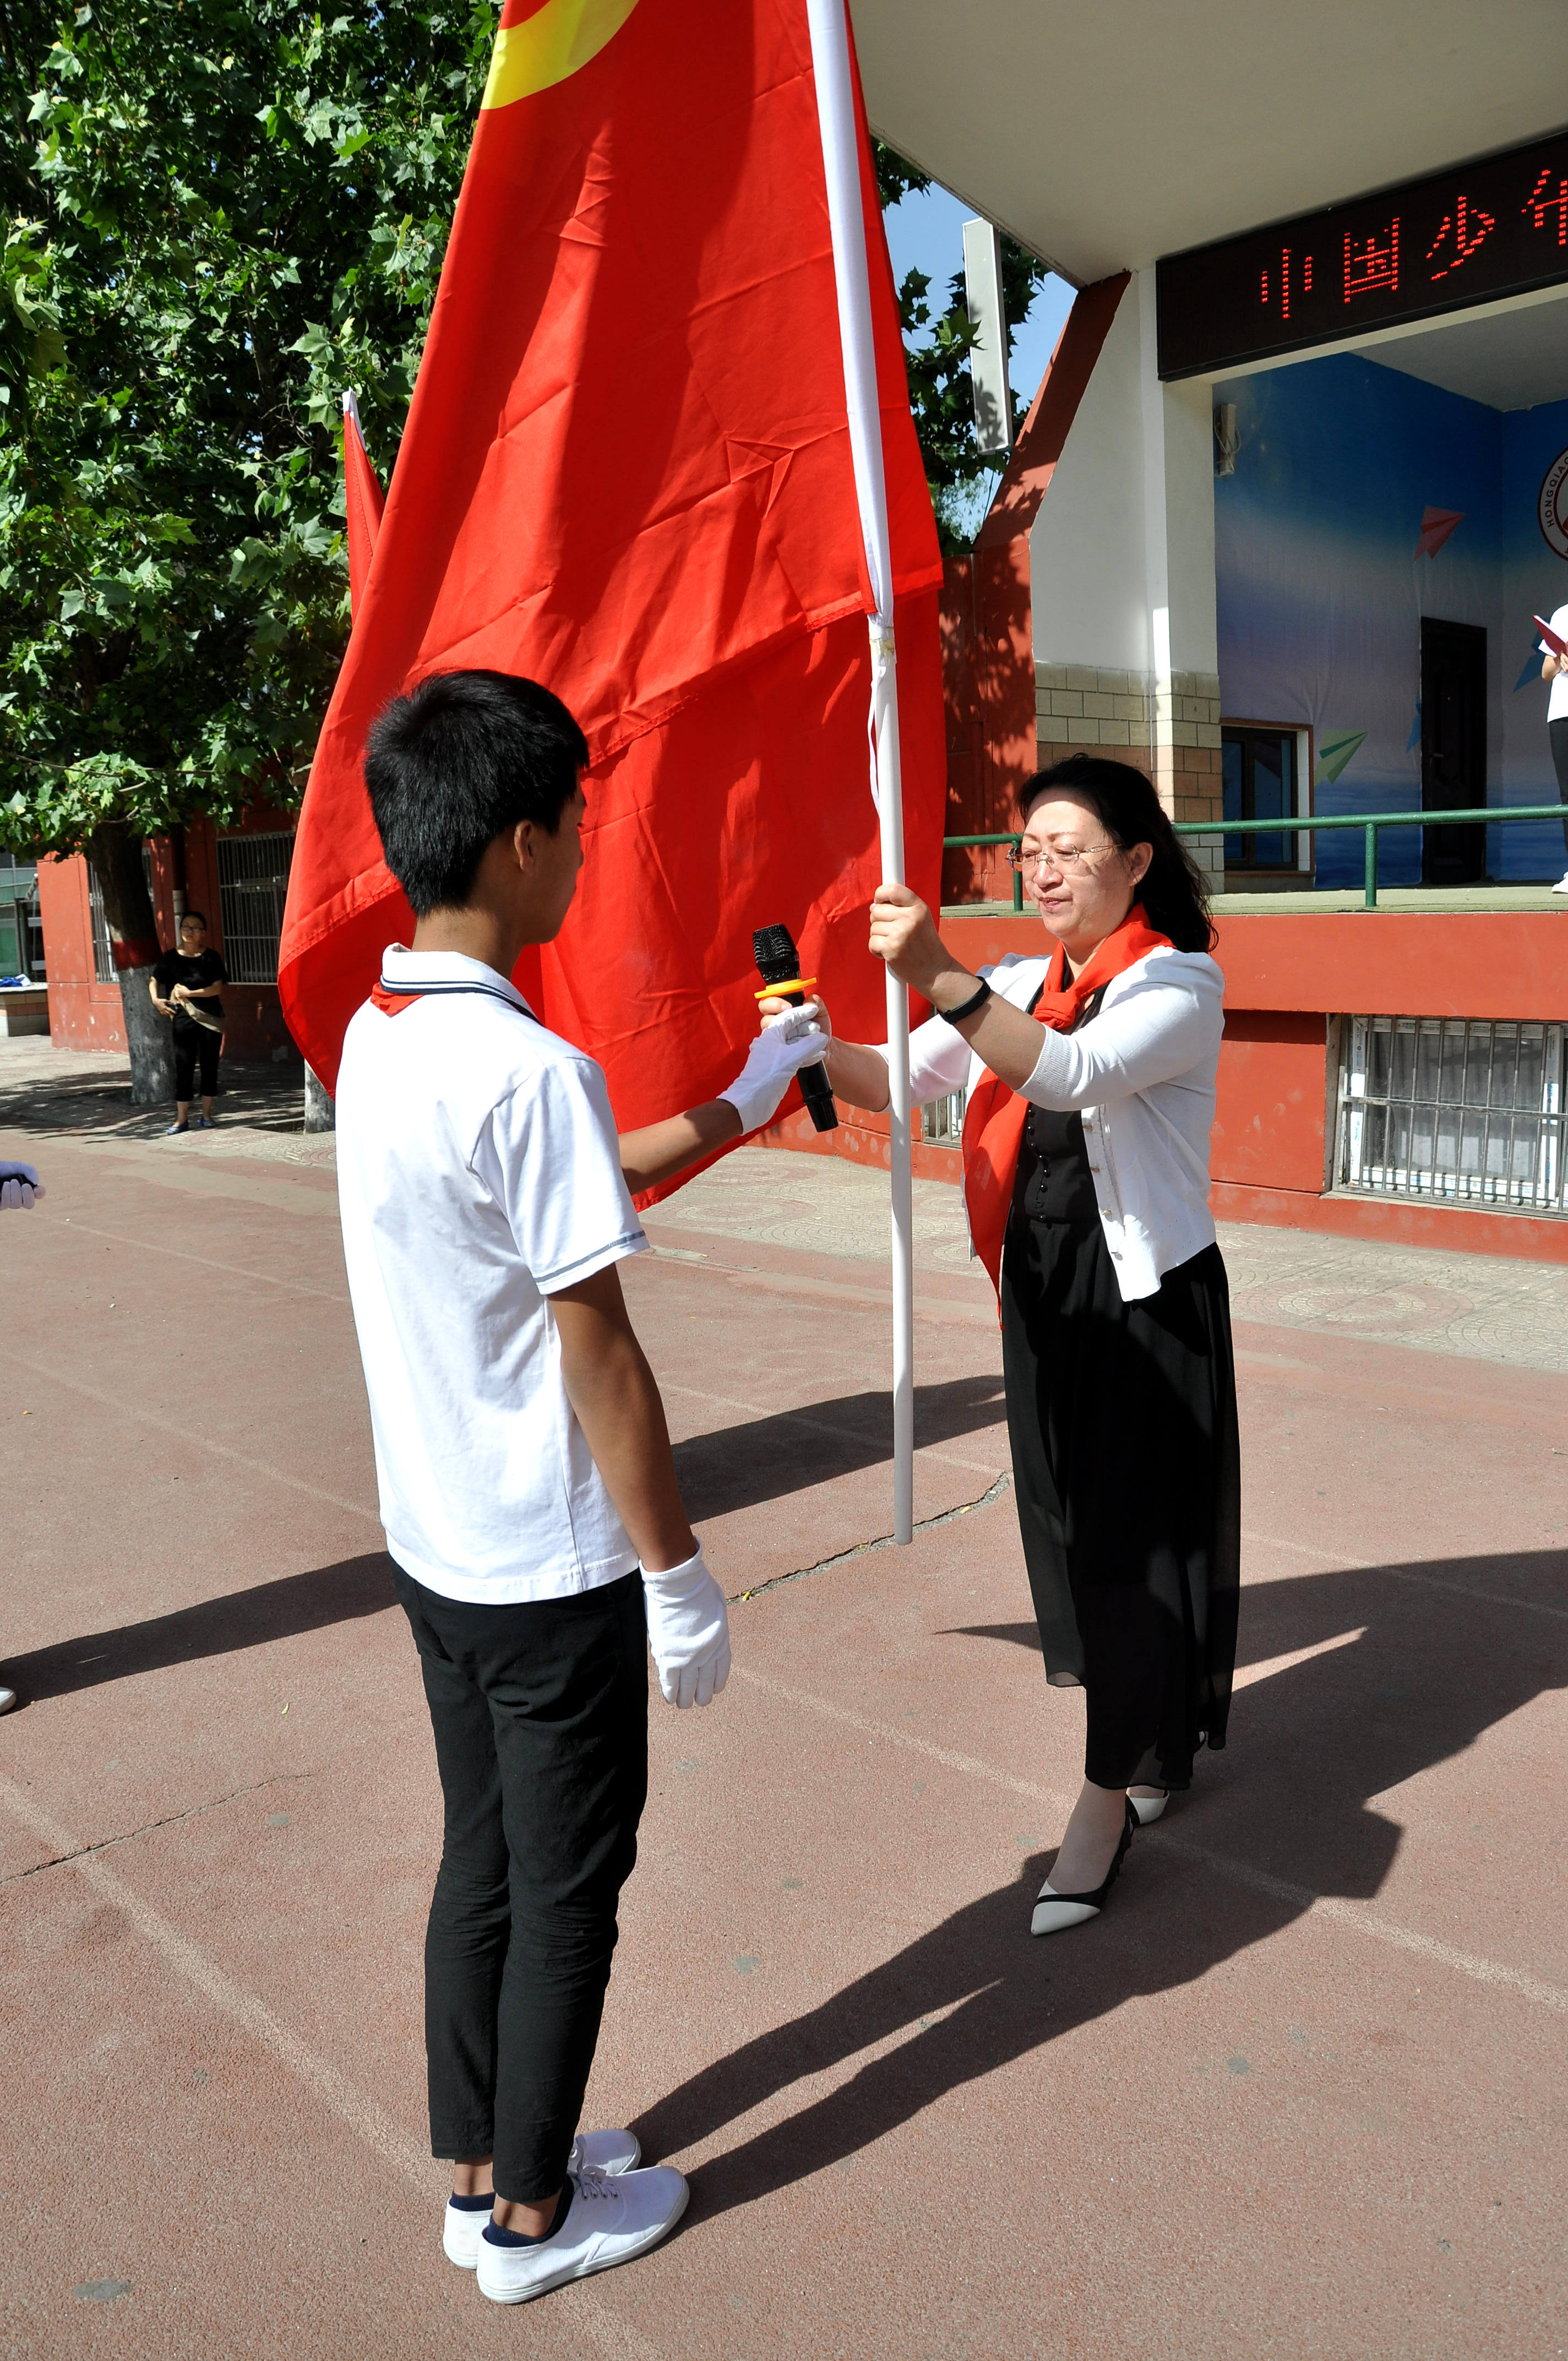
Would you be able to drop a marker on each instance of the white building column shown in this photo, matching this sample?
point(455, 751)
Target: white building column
point(1177, 423)
point(1121, 565)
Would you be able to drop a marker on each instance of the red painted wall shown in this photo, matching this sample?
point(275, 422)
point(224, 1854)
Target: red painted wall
point(1493, 964)
point(1400, 963)
point(1272, 1101)
point(82, 1015)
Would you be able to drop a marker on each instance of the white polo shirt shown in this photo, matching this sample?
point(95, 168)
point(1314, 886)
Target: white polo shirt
point(478, 1174)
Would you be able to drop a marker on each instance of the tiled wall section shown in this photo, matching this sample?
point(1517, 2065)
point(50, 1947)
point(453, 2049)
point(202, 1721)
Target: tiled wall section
point(1082, 705)
point(1171, 729)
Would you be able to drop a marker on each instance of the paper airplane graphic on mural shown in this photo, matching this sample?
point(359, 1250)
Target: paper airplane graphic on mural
point(1334, 753)
point(1436, 526)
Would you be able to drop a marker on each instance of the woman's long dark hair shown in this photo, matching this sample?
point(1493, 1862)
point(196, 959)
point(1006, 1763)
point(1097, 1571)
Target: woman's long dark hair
point(1175, 898)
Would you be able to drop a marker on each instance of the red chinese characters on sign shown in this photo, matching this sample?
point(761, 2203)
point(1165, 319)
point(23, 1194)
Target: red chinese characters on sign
point(1288, 265)
point(1543, 201)
point(1467, 224)
point(1372, 263)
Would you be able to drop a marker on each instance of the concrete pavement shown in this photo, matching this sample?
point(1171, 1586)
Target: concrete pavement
point(1299, 2091)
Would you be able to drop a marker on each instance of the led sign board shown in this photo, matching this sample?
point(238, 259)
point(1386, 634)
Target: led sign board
point(1467, 236)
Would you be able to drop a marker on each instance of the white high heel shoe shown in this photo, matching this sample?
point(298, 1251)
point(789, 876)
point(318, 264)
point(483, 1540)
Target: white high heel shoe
point(1149, 1807)
point(1055, 1912)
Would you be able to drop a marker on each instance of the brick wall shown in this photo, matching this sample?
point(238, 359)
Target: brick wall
point(1170, 729)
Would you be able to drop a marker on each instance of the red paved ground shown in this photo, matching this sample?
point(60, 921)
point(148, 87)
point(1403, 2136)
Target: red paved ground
point(1298, 2092)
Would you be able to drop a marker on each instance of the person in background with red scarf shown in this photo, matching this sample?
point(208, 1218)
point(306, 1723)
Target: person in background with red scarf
point(1089, 1073)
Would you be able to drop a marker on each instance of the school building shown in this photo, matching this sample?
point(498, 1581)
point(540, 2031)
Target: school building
point(1277, 527)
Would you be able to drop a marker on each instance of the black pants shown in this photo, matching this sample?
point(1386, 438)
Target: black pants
point(195, 1044)
point(1558, 733)
point(541, 1722)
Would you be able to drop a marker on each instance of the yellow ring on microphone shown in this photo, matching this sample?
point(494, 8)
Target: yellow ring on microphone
point(796, 984)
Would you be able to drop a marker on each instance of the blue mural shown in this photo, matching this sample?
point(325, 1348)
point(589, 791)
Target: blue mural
point(1362, 499)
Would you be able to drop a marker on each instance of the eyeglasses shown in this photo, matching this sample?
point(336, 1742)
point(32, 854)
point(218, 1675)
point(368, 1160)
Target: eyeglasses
point(1071, 860)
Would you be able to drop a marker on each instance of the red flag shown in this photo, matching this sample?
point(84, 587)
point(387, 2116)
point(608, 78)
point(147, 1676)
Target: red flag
point(362, 497)
point(627, 473)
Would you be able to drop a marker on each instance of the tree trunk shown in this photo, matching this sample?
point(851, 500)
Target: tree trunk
point(114, 853)
point(321, 1115)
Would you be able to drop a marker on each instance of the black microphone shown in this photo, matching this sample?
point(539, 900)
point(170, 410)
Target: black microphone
point(778, 964)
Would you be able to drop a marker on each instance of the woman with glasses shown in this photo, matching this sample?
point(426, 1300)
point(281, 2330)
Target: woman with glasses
point(1090, 1074)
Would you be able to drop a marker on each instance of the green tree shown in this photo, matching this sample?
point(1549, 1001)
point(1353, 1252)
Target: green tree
point(217, 218)
point(937, 349)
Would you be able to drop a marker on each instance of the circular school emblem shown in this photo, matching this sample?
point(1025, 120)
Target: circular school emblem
point(1552, 509)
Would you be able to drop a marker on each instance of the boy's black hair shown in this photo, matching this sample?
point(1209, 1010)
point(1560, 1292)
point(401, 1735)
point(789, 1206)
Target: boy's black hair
point(199, 914)
point(459, 763)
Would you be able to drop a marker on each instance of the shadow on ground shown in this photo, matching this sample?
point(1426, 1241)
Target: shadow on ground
point(734, 1468)
point(264, 1098)
point(213, 1627)
point(768, 1458)
point(1287, 1813)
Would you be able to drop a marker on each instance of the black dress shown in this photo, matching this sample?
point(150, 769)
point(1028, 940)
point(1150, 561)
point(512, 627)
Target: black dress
point(1126, 1464)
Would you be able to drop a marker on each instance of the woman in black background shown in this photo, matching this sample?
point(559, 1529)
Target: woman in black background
point(187, 987)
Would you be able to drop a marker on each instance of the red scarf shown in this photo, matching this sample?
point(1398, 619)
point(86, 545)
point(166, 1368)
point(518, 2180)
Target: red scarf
point(392, 1004)
point(995, 1115)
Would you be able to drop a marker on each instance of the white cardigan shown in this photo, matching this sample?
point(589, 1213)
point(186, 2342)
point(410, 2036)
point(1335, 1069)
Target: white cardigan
point(1142, 1073)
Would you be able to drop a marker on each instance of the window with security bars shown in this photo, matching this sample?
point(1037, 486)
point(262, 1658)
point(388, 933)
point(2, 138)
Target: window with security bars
point(253, 879)
point(942, 1122)
point(103, 970)
point(1454, 1109)
point(103, 957)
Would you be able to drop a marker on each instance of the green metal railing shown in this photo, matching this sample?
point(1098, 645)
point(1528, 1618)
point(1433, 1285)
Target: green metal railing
point(1495, 815)
point(952, 843)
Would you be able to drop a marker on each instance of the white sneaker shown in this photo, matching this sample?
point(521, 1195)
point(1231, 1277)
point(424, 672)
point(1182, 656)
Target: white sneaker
point(612, 2217)
point(8, 1700)
point(1562, 885)
point(591, 2152)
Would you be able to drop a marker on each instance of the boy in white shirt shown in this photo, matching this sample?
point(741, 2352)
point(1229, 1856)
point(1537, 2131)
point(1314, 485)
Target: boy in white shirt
point(526, 1481)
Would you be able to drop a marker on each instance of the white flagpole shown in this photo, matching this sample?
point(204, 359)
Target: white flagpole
point(841, 157)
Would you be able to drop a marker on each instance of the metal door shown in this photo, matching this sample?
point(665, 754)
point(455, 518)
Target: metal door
point(1454, 749)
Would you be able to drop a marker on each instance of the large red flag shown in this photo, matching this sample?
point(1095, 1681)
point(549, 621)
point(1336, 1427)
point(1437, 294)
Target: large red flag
point(627, 473)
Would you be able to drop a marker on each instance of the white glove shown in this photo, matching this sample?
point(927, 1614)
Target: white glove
point(772, 1062)
point(790, 1020)
point(20, 1184)
point(688, 1630)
